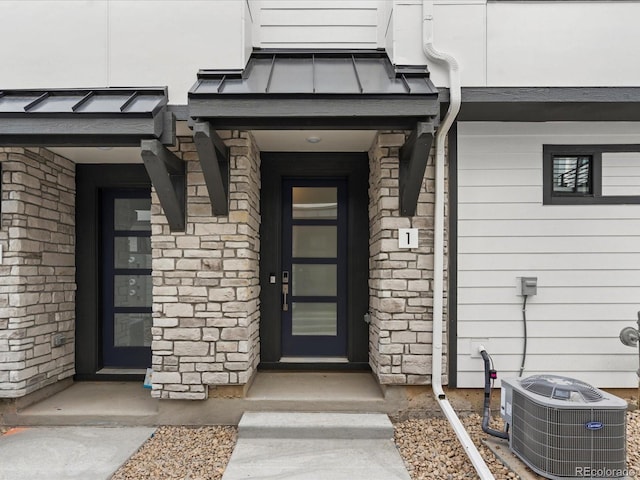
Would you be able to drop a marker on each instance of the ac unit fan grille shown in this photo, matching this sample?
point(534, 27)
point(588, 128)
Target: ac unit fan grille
point(556, 441)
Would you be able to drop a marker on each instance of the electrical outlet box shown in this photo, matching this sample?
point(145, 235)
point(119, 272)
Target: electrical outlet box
point(59, 340)
point(528, 286)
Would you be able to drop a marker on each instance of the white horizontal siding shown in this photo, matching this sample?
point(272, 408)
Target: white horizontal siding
point(586, 257)
point(319, 24)
point(621, 173)
point(512, 327)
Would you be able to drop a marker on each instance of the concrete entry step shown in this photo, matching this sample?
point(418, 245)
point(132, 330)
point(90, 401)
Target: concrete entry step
point(315, 446)
point(310, 387)
point(369, 426)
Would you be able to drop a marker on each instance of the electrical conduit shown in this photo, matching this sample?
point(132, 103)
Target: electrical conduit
point(455, 98)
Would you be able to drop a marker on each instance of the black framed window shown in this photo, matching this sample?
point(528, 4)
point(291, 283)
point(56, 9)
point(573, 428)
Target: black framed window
point(572, 175)
point(591, 174)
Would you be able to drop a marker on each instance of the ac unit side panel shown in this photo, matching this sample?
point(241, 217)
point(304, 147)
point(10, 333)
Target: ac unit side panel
point(556, 442)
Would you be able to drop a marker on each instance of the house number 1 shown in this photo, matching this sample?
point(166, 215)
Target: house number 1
point(407, 238)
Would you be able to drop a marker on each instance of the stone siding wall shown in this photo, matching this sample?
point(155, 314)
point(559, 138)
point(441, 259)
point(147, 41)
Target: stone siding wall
point(37, 272)
point(400, 280)
point(205, 281)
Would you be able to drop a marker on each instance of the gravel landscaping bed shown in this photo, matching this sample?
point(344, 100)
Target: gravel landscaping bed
point(429, 448)
point(181, 453)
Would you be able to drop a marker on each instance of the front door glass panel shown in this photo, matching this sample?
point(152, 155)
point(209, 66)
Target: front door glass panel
point(320, 203)
point(313, 280)
point(314, 254)
point(314, 319)
point(132, 330)
point(126, 278)
point(132, 252)
point(319, 241)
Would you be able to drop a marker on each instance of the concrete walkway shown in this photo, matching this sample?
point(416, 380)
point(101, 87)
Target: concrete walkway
point(67, 453)
point(315, 446)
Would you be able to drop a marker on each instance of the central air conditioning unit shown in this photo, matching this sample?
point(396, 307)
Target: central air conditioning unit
point(563, 428)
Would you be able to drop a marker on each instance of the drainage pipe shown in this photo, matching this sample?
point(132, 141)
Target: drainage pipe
point(455, 98)
point(486, 408)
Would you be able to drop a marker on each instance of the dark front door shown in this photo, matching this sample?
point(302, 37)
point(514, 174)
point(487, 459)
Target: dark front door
point(314, 256)
point(314, 276)
point(126, 278)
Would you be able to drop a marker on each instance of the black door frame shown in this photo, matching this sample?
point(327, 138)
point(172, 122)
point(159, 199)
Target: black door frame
point(354, 167)
point(90, 181)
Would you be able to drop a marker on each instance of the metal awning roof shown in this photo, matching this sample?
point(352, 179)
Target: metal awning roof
point(285, 89)
point(80, 117)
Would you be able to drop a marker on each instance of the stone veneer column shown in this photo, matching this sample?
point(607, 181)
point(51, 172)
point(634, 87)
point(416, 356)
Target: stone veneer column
point(205, 281)
point(37, 272)
point(400, 280)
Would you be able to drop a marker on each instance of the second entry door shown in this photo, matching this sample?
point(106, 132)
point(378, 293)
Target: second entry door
point(314, 268)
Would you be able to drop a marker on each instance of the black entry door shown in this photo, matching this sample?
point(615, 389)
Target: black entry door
point(126, 278)
point(314, 226)
point(314, 276)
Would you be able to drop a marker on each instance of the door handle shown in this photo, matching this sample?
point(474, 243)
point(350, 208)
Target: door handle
point(285, 290)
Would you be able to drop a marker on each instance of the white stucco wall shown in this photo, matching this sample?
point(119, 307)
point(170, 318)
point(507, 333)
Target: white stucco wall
point(97, 43)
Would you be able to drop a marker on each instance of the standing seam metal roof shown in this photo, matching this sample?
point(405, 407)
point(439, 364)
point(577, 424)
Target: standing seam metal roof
point(83, 101)
point(304, 73)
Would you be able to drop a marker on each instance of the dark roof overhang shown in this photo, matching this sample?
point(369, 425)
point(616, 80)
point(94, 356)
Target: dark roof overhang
point(326, 89)
point(116, 117)
point(315, 89)
point(85, 117)
point(547, 104)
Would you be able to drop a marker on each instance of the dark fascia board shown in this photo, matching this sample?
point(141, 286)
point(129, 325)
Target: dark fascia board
point(546, 104)
point(306, 123)
point(337, 111)
point(86, 130)
point(181, 112)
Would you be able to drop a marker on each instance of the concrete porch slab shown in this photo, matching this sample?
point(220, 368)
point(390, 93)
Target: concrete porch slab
point(129, 404)
point(67, 453)
point(92, 403)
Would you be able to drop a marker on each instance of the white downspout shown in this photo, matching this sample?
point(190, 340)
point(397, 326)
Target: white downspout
point(455, 98)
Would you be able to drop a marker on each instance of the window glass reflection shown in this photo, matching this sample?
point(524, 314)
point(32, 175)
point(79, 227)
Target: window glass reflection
point(314, 319)
point(132, 290)
point(132, 214)
point(315, 241)
point(319, 203)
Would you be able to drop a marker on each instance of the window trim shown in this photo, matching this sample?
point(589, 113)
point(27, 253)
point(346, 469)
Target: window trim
point(594, 198)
